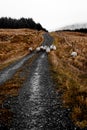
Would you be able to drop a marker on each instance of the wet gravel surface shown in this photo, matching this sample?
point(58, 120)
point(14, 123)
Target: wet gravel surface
point(8, 72)
point(38, 106)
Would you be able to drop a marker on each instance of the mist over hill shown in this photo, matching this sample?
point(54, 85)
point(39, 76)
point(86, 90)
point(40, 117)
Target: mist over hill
point(75, 27)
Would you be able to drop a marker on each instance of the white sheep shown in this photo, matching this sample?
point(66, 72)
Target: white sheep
point(48, 49)
point(44, 48)
point(30, 49)
point(74, 54)
point(41, 47)
point(53, 47)
point(38, 49)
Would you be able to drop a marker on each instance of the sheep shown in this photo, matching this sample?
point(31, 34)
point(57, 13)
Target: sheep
point(45, 47)
point(53, 47)
point(74, 54)
point(38, 49)
point(41, 47)
point(48, 49)
point(30, 49)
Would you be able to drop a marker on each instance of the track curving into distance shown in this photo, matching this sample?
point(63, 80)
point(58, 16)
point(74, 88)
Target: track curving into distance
point(38, 106)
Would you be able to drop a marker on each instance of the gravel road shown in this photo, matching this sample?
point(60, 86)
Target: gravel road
point(8, 72)
point(38, 106)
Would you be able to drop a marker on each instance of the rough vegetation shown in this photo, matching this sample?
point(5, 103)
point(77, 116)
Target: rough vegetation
point(70, 73)
point(14, 44)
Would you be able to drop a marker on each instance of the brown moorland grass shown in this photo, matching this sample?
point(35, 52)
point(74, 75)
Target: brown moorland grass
point(14, 44)
point(70, 74)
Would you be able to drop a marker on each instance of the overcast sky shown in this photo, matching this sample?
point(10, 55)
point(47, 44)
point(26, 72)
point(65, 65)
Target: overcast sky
point(51, 14)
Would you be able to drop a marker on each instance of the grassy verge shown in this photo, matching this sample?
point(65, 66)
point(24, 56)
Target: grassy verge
point(70, 74)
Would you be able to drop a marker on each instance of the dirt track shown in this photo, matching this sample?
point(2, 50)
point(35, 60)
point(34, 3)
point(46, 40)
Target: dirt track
point(38, 106)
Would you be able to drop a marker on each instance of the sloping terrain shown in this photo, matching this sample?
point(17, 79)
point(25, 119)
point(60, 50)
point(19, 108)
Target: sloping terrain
point(70, 74)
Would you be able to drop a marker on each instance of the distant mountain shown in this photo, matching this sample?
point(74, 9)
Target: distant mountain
point(75, 27)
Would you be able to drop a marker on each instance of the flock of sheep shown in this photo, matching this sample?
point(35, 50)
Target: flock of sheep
point(47, 49)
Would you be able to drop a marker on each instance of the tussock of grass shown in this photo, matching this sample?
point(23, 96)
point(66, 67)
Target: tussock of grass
point(70, 74)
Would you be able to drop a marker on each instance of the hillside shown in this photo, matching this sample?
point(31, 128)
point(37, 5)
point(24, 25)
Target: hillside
point(70, 74)
point(75, 26)
point(14, 44)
